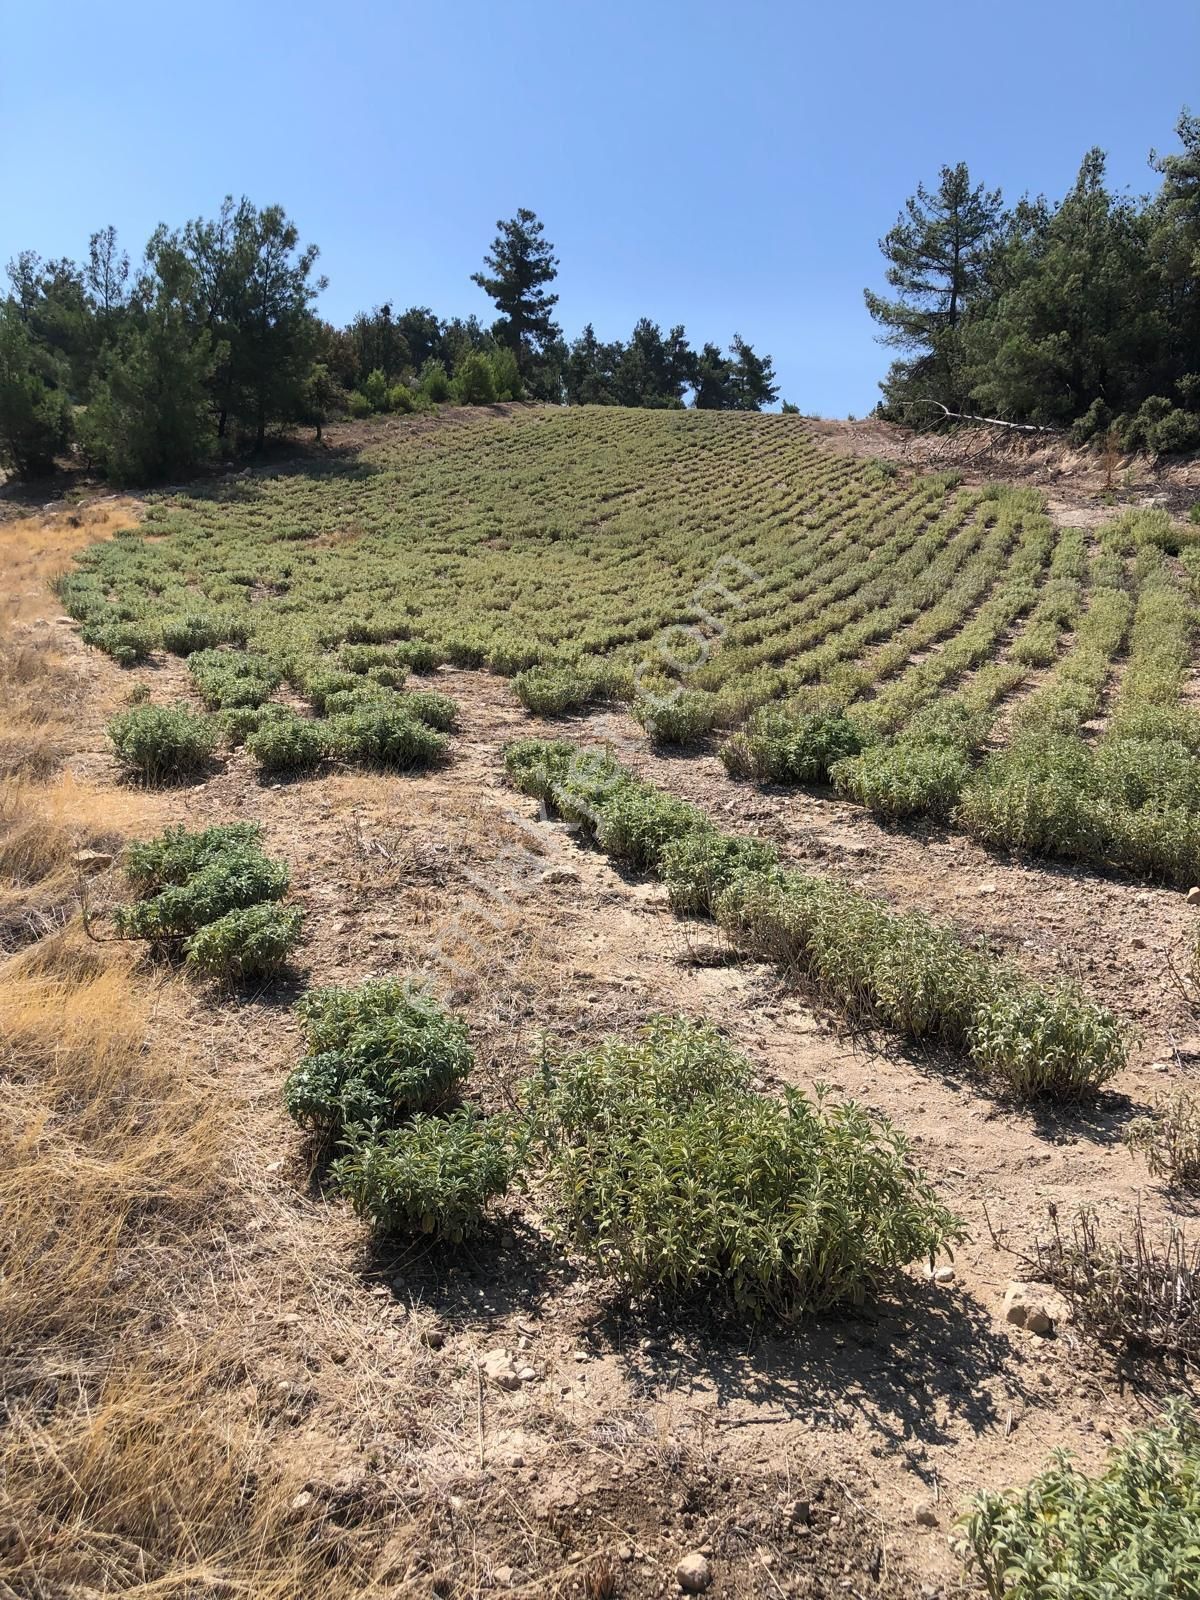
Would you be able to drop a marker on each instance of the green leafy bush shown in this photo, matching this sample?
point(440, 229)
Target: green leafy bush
point(553, 691)
point(228, 679)
point(777, 746)
point(667, 1172)
point(289, 742)
point(251, 944)
point(900, 970)
point(433, 709)
point(201, 630)
point(701, 864)
point(162, 744)
point(435, 1175)
point(233, 875)
point(377, 1053)
point(637, 822)
point(435, 382)
point(903, 779)
point(1132, 1533)
point(1051, 1044)
point(171, 857)
point(239, 722)
point(418, 655)
point(682, 719)
point(388, 733)
point(126, 642)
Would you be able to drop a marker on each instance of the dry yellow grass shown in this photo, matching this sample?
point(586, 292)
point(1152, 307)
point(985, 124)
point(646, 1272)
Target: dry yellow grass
point(40, 688)
point(34, 550)
point(102, 1135)
point(162, 1482)
point(46, 828)
point(136, 1458)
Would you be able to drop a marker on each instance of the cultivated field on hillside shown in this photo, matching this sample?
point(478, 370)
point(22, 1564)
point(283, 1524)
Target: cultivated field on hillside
point(540, 1042)
point(931, 649)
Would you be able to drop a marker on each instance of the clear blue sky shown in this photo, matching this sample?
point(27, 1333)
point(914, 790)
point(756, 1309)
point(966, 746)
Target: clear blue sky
point(728, 166)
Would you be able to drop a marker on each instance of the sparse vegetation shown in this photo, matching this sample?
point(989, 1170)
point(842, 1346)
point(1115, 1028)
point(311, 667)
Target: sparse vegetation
point(1134, 1290)
point(1169, 1138)
point(873, 964)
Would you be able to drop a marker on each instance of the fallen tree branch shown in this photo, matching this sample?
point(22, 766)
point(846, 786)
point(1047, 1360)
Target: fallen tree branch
point(987, 422)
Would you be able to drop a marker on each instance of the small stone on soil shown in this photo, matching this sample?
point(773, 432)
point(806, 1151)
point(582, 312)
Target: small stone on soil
point(693, 1573)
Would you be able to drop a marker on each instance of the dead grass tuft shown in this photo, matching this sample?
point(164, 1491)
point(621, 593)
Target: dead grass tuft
point(106, 1144)
point(54, 834)
point(162, 1482)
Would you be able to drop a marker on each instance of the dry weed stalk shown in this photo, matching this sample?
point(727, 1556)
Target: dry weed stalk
point(1132, 1291)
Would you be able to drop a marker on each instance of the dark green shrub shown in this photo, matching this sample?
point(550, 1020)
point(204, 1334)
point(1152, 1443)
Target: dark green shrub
point(362, 658)
point(365, 692)
point(318, 683)
point(289, 742)
point(474, 381)
point(435, 382)
point(668, 1173)
point(162, 744)
point(433, 709)
point(418, 655)
point(701, 864)
point(228, 679)
point(387, 733)
point(435, 1175)
point(126, 642)
point(233, 876)
point(248, 945)
point(1176, 432)
point(779, 746)
point(238, 723)
point(903, 779)
point(552, 691)
point(1132, 1533)
point(173, 856)
point(637, 822)
point(201, 630)
point(510, 656)
point(378, 1053)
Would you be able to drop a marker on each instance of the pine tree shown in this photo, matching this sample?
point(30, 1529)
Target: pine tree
point(753, 377)
point(520, 265)
point(938, 253)
point(1175, 243)
point(713, 388)
point(1075, 322)
point(253, 288)
point(149, 415)
point(35, 409)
